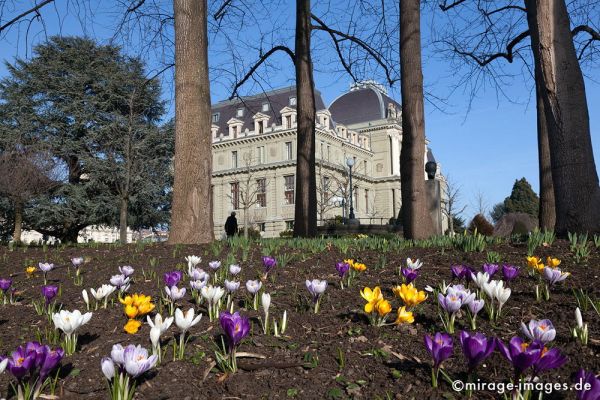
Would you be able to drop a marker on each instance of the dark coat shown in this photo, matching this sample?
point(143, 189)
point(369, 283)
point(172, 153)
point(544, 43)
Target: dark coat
point(231, 226)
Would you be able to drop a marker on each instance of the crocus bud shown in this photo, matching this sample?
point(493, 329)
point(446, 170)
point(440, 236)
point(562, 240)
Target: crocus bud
point(85, 297)
point(284, 322)
point(578, 318)
point(3, 365)
point(155, 336)
point(265, 300)
point(108, 367)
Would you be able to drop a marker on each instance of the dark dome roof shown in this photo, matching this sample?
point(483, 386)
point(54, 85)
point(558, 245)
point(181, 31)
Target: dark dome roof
point(362, 104)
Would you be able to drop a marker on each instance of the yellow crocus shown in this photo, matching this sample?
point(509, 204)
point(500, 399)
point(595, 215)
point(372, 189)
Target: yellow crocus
point(349, 261)
point(552, 262)
point(131, 311)
point(128, 300)
point(409, 294)
point(404, 317)
point(372, 297)
point(383, 307)
point(145, 308)
point(132, 326)
point(535, 263)
point(30, 271)
point(358, 267)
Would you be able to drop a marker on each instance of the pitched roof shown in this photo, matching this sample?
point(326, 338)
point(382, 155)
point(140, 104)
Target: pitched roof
point(277, 99)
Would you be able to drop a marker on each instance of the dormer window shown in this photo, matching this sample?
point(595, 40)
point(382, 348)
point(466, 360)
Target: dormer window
point(215, 117)
point(292, 100)
point(239, 113)
point(265, 107)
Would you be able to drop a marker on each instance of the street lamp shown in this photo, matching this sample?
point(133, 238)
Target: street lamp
point(351, 217)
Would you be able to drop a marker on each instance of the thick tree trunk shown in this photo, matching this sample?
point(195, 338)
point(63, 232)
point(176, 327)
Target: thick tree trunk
point(417, 223)
point(18, 222)
point(574, 175)
point(191, 219)
point(305, 221)
point(547, 211)
point(123, 220)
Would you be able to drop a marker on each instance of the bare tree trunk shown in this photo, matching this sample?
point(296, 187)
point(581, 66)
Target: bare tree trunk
point(417, 223)
point(305, 221)
point(18, 221)
point(574, 175)
point(246, 223)
point(123, 220)
point(192, 219)
point(547, 211)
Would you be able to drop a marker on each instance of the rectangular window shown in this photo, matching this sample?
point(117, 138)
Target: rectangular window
point(365, 166)
point(262, 226)
point(328, 153)
point(235, 195)
point(215, 117)
point(239, 113)
point(260, 154)
point(289, 189)
point(355, 198)
point(366, 200)
point(288, 151)
point(288, 122)
point(265, 107)
point(322, 150)
point(234, 159)
point(261, 126)
point(261, 192)
point(292, 101)
point(326, 194)
point(289, 225)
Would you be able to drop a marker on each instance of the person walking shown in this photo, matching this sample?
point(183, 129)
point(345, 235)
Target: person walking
point(231, 225)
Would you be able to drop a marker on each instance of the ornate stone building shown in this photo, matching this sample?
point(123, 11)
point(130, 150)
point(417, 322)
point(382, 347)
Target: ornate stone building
point(254, 150)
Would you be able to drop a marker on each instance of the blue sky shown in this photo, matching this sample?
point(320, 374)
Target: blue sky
point(483, 150)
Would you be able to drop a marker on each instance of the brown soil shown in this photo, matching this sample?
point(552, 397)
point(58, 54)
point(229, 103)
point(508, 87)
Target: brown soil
point(387, 362)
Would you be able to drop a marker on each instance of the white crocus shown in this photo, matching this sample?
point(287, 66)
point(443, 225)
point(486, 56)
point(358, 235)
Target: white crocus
point(103, 292)
point(192, 262)
point(184, 322)
point(213, 295)
point(86, 299)
point(158, 327)
point(581, 330)
point(480, 279)
point(69, 322)
point(416, 264)
point(265, 301)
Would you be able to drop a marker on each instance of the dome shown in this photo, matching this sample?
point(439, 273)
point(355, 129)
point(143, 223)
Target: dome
point(364, 102)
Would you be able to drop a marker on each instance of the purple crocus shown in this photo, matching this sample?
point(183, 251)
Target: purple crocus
point(554, 275)
point(51, 360)
point(214, 265)
point(451, 303)
point(410, 274)
point(475, 306)
point(342, 268)
point(588, 385)
point(550, 359)
point(5, 284)
point(126, 270)
point(172, 278)
point(541, 330)
point(490, 269)
point(21, 362)
point(49, 292)
point(460, 271)
point(510, 272)
point(269, 263)
point(137, 361)
point(439, 347)
point(235, 327)
point(521, 354)
point(476, 348)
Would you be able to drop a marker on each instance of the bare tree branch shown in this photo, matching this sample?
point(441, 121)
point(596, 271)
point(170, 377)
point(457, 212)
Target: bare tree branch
point(261, 60)
point(34, 10)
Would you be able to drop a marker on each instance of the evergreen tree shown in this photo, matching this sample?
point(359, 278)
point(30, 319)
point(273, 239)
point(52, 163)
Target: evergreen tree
point(522, 199)
point(97, 115)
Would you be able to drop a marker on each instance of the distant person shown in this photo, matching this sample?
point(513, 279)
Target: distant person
point(231, 226)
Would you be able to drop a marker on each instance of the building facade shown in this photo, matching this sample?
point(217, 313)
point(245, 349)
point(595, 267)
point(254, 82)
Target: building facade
point(254, 165)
